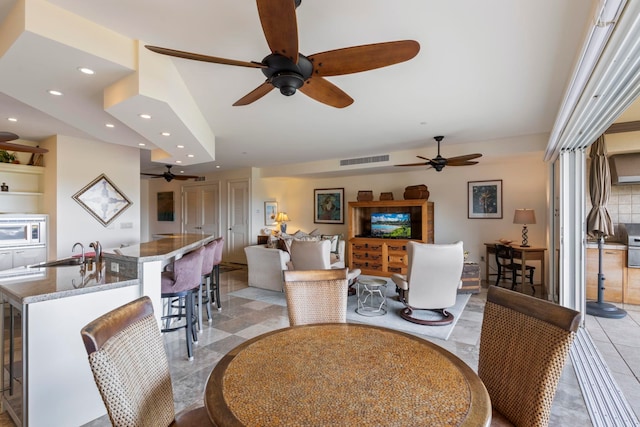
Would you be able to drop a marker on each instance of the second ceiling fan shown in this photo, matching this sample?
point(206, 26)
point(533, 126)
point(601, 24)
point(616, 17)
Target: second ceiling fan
point(170, 176)
point(439, 162)
point(288, 70)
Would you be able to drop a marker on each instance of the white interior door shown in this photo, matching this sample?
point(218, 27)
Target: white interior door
point(201, 209)
point(238, 230)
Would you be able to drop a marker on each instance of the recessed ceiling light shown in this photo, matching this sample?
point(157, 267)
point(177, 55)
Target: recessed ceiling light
point(190, 155)
point(178, 161)
point(217, 166)
point(181, 171)
point(12, 119)
point(110, 125)
point(145, 116)
point(86, 70)
point(180, 146)
point(142, 144)
point(55, 92)
point(165, 134)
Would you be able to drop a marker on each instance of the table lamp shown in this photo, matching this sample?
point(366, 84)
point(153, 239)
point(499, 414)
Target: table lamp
point(524, 217)
point(282, 218)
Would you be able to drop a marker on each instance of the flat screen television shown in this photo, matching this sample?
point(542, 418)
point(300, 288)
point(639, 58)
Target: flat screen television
point(395, 225)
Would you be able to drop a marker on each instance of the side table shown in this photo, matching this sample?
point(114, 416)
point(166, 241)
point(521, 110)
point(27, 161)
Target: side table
point(470, 278)
point(372, 299)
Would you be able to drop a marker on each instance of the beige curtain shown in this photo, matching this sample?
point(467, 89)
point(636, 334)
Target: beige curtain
point(599, 222)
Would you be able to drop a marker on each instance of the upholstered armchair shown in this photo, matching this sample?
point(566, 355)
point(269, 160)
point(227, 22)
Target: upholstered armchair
point(315, 255)
point(432, 281)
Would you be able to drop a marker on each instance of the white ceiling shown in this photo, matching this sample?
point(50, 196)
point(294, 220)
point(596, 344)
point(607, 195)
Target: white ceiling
point(486, 70)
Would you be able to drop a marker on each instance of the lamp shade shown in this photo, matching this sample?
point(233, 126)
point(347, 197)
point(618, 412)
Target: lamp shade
point(282, 217)
point(524, 216)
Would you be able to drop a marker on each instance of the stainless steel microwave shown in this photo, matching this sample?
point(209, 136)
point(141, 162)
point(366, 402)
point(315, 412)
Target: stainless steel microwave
point(23, 231)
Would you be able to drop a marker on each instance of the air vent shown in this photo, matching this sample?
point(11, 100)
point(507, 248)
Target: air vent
point(364, 160)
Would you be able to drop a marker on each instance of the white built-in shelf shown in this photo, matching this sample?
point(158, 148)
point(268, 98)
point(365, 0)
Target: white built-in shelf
point(20, 193)
point(19, 168)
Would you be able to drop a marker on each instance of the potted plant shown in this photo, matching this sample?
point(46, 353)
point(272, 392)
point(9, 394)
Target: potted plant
point(6, 157)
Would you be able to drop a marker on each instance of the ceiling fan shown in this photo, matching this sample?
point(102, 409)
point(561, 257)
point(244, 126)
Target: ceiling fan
point(439, 162)
point(170, 176)
point(288, 70)
point(5, 137)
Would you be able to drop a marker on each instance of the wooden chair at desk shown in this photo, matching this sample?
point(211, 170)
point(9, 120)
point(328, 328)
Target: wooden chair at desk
point(505, 262)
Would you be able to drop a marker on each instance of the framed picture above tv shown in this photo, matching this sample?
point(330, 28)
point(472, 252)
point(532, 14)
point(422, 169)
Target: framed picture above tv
point(328, 206)
point(485, 199)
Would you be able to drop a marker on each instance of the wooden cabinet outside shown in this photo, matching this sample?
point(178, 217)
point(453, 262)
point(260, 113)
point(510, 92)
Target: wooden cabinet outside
point(614, 264)
point(379, 256)
point(632, 292)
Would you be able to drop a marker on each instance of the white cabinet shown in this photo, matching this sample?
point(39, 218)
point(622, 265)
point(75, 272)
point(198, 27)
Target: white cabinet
point(29, 256)
point(6, 259)
point(17, 257)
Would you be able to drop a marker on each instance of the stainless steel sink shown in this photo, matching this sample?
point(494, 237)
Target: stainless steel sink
point(61, 262)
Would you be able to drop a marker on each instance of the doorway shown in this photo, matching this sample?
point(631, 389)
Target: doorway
point(238, 220)
point(201, 209)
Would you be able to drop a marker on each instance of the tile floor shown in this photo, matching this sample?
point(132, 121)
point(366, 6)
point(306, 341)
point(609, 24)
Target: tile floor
point(241, 319)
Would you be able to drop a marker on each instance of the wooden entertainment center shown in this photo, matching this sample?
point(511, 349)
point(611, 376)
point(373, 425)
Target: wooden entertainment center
point(381, 256)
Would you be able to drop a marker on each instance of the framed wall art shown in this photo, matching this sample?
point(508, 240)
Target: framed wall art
point(165, 206)
point(328, 206)
point(270, 212)
point(485, 199)
point(102, 199)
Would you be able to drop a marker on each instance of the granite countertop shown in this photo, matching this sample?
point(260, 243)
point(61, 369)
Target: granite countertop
point(25, 285)
point(159, 250)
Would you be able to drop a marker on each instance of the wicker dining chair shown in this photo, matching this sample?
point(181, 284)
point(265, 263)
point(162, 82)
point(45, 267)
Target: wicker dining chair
point(524, 344)
point(316, 296)
point(130, 368)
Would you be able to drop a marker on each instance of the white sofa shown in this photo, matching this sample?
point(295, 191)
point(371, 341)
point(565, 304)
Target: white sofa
point(266, 265)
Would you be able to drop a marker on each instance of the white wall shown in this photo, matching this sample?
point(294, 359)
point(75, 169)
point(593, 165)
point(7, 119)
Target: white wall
point(75, 164)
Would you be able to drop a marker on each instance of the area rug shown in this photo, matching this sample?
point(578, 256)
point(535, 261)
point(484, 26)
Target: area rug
point(391, 319)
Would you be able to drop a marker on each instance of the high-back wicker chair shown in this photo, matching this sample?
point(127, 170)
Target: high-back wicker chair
point(131, 370)
point(524, 345)
point(316, 296)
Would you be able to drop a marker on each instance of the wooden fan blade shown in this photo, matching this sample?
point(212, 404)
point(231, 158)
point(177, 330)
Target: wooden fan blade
point(185, 177)
point(324, 91)
point(420, 157)
point(255, 94)
point(461, 163)
point(362, 58)
point(414, 164)
point(8, 136)
point(280, 27)
point(204, 58)
point(463, 158)
point(153, 175)
point(22, 148)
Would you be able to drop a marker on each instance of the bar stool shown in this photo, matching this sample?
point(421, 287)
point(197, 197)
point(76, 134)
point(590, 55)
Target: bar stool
point(204, 294)
point(182, 283)
point(215, 284)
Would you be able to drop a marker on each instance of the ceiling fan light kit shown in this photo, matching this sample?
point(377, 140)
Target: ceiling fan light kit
point(289, 72)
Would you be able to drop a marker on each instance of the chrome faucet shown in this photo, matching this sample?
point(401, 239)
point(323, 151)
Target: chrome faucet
point(82, 247)
point(98, 248)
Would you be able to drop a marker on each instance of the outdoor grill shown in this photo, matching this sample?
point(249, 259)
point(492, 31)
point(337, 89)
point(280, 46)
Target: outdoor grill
point(631, 234)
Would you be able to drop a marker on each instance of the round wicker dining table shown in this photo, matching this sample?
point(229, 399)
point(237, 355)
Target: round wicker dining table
point(342, 374)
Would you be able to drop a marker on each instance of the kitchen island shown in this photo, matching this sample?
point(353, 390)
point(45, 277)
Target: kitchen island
point(46, 375)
